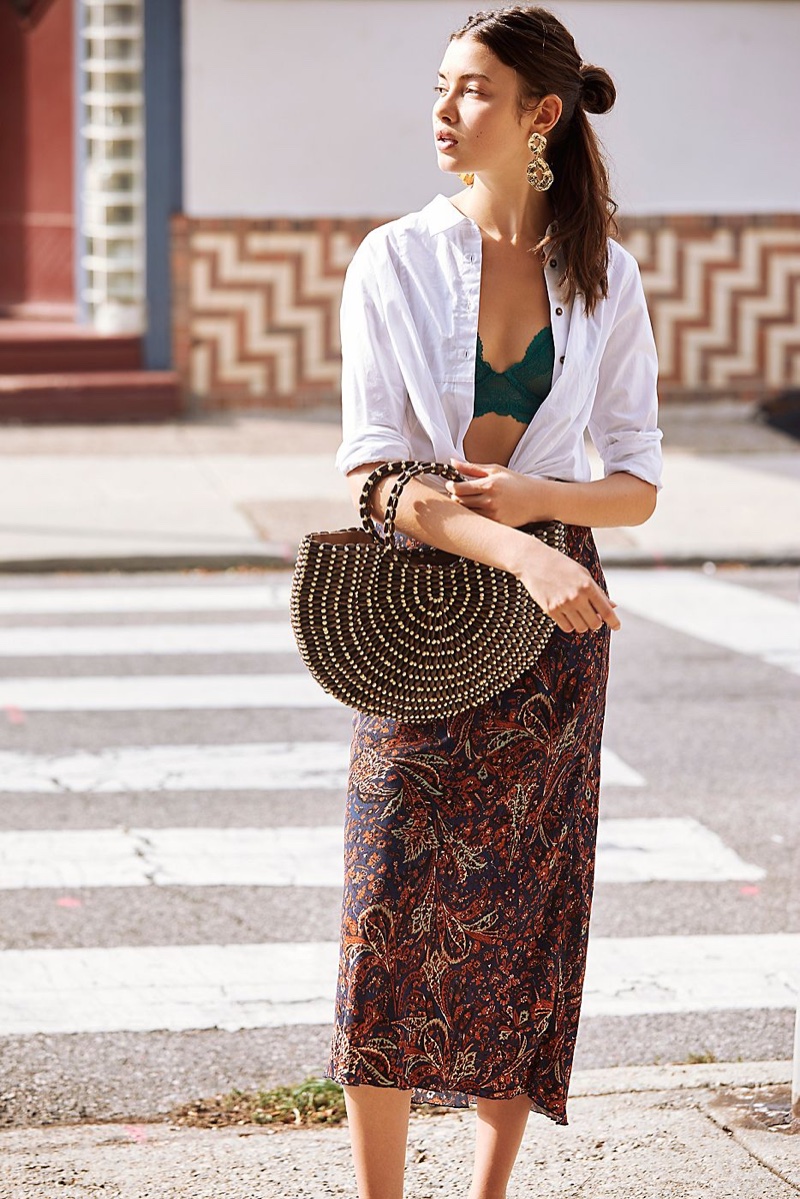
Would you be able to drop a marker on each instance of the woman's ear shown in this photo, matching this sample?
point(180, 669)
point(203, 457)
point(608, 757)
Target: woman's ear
point(546, 115)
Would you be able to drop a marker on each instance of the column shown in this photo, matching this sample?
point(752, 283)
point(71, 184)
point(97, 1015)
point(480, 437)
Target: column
point(112, 195)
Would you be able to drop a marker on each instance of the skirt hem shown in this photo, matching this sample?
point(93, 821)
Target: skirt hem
point(439, 1097)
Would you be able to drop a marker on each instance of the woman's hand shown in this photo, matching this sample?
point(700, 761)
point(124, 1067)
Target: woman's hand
point(501, 494)
point(566, 591)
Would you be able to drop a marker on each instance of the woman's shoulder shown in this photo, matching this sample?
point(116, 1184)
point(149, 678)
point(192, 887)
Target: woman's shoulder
point(622, 265)
point(395, 235)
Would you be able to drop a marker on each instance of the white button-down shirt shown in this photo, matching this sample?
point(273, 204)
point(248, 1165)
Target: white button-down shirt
point(409, 324)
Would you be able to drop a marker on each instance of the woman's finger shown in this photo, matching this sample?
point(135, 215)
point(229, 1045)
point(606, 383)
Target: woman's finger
point(591, 618)
point(465, 489)
point(582, 622)
point(466, 500)
point(562, 620)
point(589, 614)
point(605, 610)
point(468, 468)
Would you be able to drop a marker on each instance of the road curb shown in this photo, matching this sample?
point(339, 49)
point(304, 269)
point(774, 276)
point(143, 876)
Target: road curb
point(281, 558)
point(271, 558)
point(617, 1080)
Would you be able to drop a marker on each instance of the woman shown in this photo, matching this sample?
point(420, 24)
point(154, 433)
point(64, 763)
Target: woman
point(490, 330)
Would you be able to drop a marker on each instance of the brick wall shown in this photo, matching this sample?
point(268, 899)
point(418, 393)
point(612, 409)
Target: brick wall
point(256, 305)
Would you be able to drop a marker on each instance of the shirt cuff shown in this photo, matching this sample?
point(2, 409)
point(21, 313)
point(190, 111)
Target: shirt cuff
point(370, 449)
point(639, 454)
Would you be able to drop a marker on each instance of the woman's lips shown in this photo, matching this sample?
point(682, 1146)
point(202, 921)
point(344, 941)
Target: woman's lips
point(446, 143)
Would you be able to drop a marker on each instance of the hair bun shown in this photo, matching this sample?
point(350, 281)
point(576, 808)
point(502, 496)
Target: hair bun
point(597, 89)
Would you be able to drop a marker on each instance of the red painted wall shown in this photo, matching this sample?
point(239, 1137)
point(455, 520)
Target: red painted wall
point(37, 225)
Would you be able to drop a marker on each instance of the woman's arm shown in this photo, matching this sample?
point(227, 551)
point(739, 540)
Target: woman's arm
point(564, 588)
point(515, 499)
point(623, 424)
point(619, 499)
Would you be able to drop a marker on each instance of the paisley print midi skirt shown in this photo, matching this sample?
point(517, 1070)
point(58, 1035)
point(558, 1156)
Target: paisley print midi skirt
point(469, 849)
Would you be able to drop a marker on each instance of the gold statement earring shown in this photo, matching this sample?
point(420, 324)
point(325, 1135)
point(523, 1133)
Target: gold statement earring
point(539, 174)
point(468, 178)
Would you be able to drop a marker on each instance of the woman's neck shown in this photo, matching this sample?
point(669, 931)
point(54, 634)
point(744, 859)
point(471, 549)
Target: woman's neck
point(518, 216)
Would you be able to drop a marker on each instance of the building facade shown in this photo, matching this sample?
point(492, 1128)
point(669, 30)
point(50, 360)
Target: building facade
point(189, 179)
point(90, 175)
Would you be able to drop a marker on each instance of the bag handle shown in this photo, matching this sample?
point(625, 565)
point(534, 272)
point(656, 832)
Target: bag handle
point(406, 470)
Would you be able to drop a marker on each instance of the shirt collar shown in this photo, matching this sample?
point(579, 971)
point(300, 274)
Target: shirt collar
point(440, 214)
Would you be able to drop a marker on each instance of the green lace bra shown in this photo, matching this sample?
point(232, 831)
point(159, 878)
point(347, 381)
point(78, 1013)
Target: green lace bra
point(519, 390)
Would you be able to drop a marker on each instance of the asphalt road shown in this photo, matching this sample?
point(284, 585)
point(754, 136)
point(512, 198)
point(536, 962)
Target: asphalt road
point(702, 737)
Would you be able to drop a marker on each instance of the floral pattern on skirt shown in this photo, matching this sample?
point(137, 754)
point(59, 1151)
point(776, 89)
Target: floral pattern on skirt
point(469, 850)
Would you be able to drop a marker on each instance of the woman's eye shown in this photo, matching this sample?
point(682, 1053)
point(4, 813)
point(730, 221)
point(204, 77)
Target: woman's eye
point(470, 91)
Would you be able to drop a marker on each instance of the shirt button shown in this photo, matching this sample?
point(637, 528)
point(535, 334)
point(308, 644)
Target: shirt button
point(559, 311)
point(561, 359)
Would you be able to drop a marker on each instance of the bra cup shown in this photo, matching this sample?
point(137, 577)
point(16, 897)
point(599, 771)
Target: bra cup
point(519, 390)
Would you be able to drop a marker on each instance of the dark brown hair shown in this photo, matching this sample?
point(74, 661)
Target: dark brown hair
point(543, 53)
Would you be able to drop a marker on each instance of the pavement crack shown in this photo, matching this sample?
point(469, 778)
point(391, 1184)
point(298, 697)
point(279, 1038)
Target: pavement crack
point(729, 1129)
point(145, 849)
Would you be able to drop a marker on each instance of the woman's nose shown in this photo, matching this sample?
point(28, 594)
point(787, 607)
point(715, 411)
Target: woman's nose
point(442, 108)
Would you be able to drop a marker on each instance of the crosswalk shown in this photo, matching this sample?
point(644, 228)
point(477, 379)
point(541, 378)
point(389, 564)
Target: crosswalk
point(204, 648)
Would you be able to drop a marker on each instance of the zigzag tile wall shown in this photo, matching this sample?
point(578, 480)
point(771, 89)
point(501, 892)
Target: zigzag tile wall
point(256, 305)
point(257, 309)
point(724, 299)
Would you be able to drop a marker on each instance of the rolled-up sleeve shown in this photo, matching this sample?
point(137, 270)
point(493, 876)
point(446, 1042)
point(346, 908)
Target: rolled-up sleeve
point(624, 420)
point(374, 396)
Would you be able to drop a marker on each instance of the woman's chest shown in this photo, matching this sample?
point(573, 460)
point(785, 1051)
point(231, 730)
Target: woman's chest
point(514, 303)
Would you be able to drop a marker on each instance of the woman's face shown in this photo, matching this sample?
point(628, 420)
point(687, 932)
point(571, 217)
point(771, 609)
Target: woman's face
point(476, 121)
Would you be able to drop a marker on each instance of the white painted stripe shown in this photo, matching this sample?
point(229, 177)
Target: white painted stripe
point(628, 976)
point(271, 766)
point(616, 773)
point(673, 849)
point(263, 637)
point(721, 613)
point(268, 766)
point(195, 857)
point(158, 693)
point(174, 987)
point(628, 851)
point(29, 601)
point(182, 987)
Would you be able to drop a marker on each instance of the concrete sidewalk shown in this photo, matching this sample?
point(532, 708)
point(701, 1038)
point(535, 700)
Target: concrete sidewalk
point(644, 1133)
point(244, 489)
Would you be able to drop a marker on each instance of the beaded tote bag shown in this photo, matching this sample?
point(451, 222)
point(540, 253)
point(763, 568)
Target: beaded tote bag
point(412, 633)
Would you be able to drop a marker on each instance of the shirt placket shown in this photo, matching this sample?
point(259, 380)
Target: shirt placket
point(559, 314)
point(467, 287)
